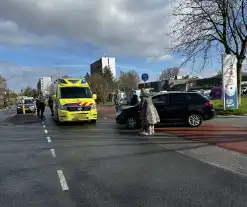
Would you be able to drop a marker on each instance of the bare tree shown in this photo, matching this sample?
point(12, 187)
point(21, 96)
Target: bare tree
point(169, 73)
point(101, 86)
point(3, 88)
point(3, 82)
point(205, 26)
point(128, 80)
point(50, 88)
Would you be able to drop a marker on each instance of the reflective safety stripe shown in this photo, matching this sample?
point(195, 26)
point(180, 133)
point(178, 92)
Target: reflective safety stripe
point(83, 104)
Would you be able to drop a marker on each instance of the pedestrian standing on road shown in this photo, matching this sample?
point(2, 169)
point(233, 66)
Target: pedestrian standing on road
point(117, 100)
point(50, 103)
point(148, 115)
point(134, 99)
point(41, 105)
point(37, 106)
point(95, 97)
point(5, 103)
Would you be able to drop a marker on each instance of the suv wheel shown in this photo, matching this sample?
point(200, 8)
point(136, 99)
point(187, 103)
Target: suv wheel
point(131, 123)
point(194, 120)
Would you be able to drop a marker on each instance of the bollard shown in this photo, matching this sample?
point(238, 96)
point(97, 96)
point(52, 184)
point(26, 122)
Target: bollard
point(23, 109)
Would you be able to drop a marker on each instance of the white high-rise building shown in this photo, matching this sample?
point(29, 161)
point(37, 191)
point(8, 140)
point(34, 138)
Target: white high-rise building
point(99, 65)
point(44, 83)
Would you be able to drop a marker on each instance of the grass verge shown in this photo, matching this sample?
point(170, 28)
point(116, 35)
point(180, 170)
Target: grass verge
point(219, 107)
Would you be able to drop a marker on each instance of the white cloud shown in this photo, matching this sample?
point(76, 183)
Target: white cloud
point(119, 27)
point(10, 33)
point(165, 57)
point(22, 76)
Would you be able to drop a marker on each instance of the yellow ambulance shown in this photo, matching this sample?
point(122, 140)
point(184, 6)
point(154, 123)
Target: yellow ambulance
point(73, 101)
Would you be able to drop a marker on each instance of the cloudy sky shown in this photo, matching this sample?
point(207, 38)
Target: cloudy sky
point(36, 37)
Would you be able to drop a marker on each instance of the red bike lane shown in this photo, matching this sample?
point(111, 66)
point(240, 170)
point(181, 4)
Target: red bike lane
point(224, 136)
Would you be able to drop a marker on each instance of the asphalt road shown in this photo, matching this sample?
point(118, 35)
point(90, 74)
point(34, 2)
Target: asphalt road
point(43, 164)
point(4, 114)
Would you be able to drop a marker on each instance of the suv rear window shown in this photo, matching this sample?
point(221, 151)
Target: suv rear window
point(196, 98)
point(182, 98)
point(160, 99)
point(179, 98)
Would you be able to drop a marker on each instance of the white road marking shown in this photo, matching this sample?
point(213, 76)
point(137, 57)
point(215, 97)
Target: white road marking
point(43, 122)
point(48, 139)
point(237, 126)
point(62, 180)
point(46, 131)
point(53, 153)
point(12, 114)
point(44, 126)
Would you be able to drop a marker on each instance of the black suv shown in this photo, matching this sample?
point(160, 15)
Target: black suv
point(173, 107)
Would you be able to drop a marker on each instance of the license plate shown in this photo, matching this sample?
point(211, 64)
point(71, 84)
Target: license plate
point(80, 117)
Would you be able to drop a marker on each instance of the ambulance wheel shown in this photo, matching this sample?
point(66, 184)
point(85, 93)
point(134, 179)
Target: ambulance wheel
point(93, 121)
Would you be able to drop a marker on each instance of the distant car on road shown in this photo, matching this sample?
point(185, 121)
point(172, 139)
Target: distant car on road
point(173, 107)
point(30, 106)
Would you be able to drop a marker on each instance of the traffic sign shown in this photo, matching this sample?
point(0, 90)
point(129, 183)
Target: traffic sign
point(145, 77)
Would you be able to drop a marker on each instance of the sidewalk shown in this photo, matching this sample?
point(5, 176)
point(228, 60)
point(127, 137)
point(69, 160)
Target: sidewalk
point(211, 154)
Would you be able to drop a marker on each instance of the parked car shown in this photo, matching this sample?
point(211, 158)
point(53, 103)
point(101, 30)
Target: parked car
point(173, 107)
point(30, 106)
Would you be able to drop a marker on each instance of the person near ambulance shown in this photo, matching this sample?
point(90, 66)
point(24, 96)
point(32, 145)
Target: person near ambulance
point(95, 97)
point(50, 104)
point(41, 105)
point(117, 100)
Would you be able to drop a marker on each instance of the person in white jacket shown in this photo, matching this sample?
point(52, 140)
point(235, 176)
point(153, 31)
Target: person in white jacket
point(117, 100)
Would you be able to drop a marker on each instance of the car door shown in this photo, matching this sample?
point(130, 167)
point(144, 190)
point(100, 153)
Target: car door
point(177, 108)
point(160, 102)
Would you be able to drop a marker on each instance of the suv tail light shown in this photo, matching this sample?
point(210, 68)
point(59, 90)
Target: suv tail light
point(209, 104)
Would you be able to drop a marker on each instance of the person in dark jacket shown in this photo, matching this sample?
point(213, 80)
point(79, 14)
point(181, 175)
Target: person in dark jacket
point(37, 106)
point(41, 105)
point(134, 99)
point(5, 103)
point(50, 103)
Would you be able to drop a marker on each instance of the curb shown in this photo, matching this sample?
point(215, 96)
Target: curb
point(231, 116)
